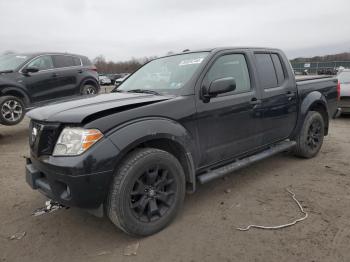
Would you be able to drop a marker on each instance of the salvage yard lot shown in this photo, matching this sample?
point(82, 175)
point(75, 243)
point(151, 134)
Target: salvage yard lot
point(205, 230)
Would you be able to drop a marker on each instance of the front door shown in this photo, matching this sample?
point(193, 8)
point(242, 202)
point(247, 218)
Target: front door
point(41, 84)
point(229, 124)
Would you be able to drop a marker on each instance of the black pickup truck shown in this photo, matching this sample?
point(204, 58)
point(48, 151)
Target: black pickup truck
point(178, 120)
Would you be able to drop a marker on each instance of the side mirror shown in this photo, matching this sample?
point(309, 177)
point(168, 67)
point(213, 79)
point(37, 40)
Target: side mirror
point(220, 86)
point(30, 70)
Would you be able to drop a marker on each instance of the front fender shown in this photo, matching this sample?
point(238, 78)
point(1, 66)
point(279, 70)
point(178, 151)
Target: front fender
point(13, 90)
point(136, 132)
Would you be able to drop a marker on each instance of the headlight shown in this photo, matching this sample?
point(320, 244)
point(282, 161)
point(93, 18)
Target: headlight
point(75, 140)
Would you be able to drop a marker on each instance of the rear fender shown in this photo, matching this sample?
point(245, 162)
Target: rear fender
point(312, 99)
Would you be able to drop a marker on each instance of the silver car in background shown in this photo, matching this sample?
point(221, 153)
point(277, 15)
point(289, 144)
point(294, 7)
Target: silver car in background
point(344, 90)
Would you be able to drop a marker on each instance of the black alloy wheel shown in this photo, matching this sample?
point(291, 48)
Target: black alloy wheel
point(152, 194)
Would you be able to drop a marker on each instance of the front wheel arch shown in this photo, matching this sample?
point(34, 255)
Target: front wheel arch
point(163, 134)
point(89, 82)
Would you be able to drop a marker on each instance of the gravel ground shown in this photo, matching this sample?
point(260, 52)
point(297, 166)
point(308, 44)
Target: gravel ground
point(205, 230)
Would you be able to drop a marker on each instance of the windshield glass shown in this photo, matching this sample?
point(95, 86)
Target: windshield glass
point(165, 74)
point(11, 62)
point(344, 77)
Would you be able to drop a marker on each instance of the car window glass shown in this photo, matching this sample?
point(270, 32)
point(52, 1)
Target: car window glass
point(278, 67)
point(233, 65)
point(63, 61)
point(42, 63)
point(344, 77)
point(76, 61)
point(266, 71)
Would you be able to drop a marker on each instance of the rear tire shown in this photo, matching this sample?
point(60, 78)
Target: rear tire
point(147, 191)
point(89, 90)
point(310, 138)
point(12, 110)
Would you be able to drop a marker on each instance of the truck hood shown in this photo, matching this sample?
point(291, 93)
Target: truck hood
point(79, 110)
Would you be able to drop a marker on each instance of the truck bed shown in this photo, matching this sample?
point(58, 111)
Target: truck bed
point(300, 78)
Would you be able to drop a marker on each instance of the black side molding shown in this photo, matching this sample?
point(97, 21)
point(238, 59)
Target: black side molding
point(224, 170)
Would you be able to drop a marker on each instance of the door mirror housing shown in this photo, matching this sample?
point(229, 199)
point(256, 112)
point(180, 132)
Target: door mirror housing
point(31, 69)
point(219, 86)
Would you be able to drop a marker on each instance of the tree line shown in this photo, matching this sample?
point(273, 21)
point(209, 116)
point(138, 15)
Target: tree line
point(129, 66)
point(326, 58)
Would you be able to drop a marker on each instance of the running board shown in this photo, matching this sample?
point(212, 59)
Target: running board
point(224, 170)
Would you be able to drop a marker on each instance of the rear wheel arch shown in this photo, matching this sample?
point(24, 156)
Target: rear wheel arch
point(314, 101)
point(321, 108)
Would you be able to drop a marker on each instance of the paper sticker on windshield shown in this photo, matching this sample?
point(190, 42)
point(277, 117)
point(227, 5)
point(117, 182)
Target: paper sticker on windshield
point(21, 57)
point(191, 61)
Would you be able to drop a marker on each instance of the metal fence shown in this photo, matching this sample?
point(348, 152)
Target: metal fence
point(316, 67)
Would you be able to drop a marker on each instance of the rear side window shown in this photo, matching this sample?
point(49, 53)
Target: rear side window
point(76, 61)
point(233, 65)
point(266, 70)
point(60, 61)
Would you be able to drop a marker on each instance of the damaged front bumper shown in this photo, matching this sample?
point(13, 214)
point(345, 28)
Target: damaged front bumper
point(80, 181)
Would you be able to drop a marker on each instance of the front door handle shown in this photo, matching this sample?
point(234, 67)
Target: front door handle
point(290, 94)
point(54, 75)
point(255, 101)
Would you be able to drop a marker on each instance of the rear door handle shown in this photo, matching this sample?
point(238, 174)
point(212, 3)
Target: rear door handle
point(255, 101)
point(54, 74)
point(80, 71)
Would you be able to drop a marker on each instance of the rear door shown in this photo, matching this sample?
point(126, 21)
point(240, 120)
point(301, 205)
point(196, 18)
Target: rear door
point(229, 124)
point(279, 96)
point(67, 68)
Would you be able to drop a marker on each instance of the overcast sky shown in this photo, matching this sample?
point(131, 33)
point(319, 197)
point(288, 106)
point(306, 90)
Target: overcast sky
point(120, 30)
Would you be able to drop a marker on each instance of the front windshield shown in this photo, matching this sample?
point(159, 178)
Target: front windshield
point(11, 62)
point(165, 74)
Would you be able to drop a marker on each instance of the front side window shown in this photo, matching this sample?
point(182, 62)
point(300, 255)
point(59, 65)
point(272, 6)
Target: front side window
point(233, 65)
point(42, 63)
point(164, 74)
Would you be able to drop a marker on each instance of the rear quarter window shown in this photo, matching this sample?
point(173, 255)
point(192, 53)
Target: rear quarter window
point(86, 61)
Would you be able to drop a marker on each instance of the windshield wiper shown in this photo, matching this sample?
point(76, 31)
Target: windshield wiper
point(6, 71)
point(145, 91)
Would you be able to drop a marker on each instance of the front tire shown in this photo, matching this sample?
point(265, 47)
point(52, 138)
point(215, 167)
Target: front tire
point(310, 138)
point(147, 191)
point(12, 110)
point(89, 90)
